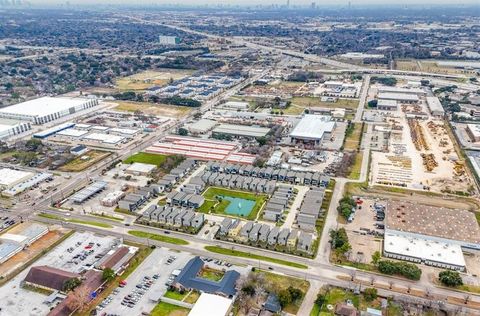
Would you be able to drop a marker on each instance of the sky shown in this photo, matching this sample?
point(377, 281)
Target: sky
point(266, 2)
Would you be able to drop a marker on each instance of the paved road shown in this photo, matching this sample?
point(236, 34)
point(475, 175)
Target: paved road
point(330, 274)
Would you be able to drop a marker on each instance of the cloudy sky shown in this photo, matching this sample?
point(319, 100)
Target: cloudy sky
point(265, 2)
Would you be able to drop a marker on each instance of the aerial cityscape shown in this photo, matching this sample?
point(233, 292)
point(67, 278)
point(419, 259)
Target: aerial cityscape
point(243, 158)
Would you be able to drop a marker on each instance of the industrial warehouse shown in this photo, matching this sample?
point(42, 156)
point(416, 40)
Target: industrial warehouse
point(46, 109)
point(431, 235)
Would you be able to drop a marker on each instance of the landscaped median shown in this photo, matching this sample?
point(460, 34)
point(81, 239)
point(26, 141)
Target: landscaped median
point(168, 239)
point(236, 253)
point(76, 221)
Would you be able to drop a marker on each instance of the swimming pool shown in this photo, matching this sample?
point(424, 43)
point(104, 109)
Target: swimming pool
point(238, 206)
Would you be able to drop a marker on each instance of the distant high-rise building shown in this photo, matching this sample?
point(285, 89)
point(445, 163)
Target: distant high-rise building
point(288, 3)
point(312, 6)
point(168, 40)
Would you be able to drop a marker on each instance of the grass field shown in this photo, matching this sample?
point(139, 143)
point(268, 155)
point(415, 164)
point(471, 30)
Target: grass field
point(172, 111)
point(352, 140)
point(166, 309)
point(73, 220)
point(356, 167)
point(146, 79)
point(174, 295)
point(211, 274)
point(428, 66)
point(211, 193)
point(235, 253)
point(167, 239)
point(299, 104)
point(152, 159)
point(281, 282)
point(85, 161)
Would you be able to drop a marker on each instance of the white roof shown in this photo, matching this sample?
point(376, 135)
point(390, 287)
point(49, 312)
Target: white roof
point(43, 106)
point(211, 305)
point(383, 102)
point(474, 129)
point(236, 104)
point(401, 90)
point(106, 138)
point(434, 104)
point(71, 132)
point(13, 238)
point(398, 96)
point(11, 176)
point(313, 126)
point(141, 167)
point(424, 249)
point(125, 131)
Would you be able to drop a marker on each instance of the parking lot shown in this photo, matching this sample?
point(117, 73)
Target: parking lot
point(155, 264)
point(363, 231)
point(18, 301)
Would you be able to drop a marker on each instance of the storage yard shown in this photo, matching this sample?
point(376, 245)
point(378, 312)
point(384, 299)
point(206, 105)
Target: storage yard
point(421, 153)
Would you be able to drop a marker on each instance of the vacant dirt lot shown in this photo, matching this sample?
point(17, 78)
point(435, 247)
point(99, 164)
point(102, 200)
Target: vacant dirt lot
point(33, 250)
point(84, 161)
point(153, 109)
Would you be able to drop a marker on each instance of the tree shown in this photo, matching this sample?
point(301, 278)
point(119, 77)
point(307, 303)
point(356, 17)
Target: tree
point(182, 131)
point(70, 284)
point(295, 293)
point(284, 297)
point(320, 300)
point(376, 257)
point(370, 294)
point(372, 103)
point(262, 141)
point(108, 274)
point(450, 278)
point(78, 299)
point(249, 289)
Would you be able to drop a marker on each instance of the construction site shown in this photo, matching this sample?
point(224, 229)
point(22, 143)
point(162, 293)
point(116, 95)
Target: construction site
point(420, 156)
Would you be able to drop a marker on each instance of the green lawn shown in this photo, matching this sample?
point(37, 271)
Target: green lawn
point(165, 309)
point(356, 168)
point(107, 216)
point(207, 206)
point(212, 192)
point(73, 220)
point(152, 159)
point(242, 254)
point(171, 240)
point(211, 274)
point(174, 295)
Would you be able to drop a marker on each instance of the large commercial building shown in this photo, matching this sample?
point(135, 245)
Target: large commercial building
point(430, 235)
point(168, 40)
point(313, 129)
point(11, 177)
point(399, 97)
point(46, 109)
point(473, 130)
point(435, 107)
point(10, 128)
point(244, 131)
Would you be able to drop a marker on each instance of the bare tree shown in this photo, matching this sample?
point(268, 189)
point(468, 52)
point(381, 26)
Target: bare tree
point(78, 299)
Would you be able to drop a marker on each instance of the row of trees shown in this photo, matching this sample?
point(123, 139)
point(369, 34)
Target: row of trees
point(408, 270)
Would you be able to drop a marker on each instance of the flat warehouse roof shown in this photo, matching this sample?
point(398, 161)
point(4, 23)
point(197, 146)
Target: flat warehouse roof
point(43, 106)
point(398, 96)
point(243, 130)
point(460, 225)
point(105, 138)
point(211, 305)
point(313, 127)
point(434, 104)
point(424, 249)
point(9, 176)
point(71, 132)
